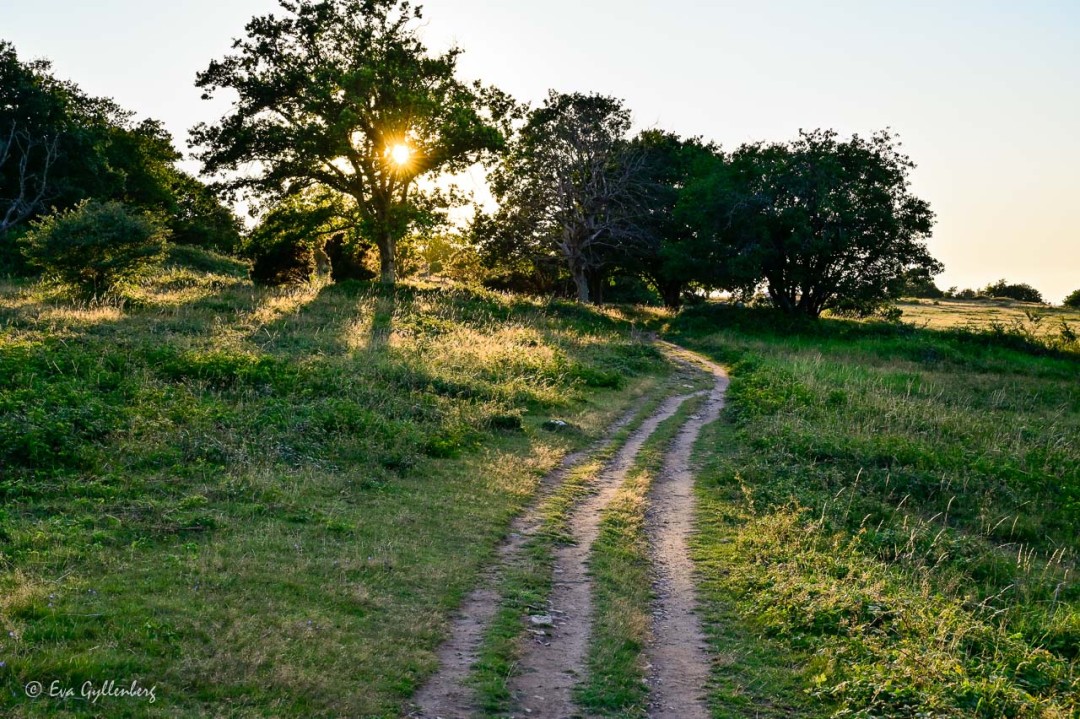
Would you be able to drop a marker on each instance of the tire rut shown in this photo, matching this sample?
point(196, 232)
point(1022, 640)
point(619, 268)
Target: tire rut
point(678, 662)
point(446, 694)
point(550, 668)
point(678, 665)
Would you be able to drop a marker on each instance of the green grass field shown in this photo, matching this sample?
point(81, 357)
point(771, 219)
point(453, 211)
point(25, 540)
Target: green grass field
point(265, 503)
point(889, 521)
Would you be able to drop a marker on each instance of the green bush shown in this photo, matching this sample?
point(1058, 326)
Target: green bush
point(282, 247)
point(96, 246)
point(1073, 300)
point(1020, 292)
point(283, 263)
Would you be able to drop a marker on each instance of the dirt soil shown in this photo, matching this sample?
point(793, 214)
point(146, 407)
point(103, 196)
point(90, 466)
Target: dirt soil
point(445, 695)
point(551, 666)
point(553, 657)
point(678, 662)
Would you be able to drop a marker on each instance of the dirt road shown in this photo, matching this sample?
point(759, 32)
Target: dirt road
point(552, 664)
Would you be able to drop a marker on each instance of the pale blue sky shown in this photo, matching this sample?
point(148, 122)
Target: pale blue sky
point(986, 95)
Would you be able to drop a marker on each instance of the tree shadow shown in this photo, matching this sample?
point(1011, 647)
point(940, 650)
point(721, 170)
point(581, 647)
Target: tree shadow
point(382, 320)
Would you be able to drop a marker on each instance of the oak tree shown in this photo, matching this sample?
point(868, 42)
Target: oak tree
point(571, 184)
point(822, 222)
point(343, 96)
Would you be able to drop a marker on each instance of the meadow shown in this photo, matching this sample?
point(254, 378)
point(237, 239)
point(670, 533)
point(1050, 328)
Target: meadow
point(268, 501)
point(888, 520)
point(990, 314)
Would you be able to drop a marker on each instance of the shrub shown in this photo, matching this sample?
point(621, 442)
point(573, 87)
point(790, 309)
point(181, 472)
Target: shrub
point(287, 246)
point(917, 283)
point(283, 263)
point(1019, 292)
point(346, 259)
point(1073, 300)
point(96, 246)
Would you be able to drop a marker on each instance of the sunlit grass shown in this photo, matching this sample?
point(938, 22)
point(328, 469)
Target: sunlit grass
point(237, 494)
point(948, 313)
point(889, 522)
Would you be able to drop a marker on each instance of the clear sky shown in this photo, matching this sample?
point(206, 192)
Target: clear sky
point(984, 93)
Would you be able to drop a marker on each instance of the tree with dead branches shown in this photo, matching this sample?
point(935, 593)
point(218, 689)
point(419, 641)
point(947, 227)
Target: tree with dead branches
point(571, 184)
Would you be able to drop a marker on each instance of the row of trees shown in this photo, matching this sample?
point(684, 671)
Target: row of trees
point(920, 284)
point(342, 110)
point(60, 146)
point(343, 124)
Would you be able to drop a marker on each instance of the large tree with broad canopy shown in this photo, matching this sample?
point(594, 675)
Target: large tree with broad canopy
point(342, 95)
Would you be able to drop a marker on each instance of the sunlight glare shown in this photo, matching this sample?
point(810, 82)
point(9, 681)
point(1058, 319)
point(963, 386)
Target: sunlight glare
point(401, 154)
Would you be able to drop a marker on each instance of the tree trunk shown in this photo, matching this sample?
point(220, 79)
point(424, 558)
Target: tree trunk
point(581, 282)
point(597, 280)
point(780, 300)
point(387, 259)
point(671, 293)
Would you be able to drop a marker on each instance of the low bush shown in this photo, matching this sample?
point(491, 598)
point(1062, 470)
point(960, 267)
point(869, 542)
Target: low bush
point(96, 246)
point(1021, 292)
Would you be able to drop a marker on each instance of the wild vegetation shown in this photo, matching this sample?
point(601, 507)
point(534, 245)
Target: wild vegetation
point(244, 495)
point(258, 467)
point(60, 146)
point(888, 520)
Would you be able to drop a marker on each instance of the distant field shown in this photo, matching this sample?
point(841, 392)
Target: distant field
point(946, 313)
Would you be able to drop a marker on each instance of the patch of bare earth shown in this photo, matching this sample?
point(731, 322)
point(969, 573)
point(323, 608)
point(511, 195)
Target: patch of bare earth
point(551, 665)
point(554, 661)
point(676, 654)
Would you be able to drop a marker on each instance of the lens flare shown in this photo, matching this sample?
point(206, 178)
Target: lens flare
point(400, 155)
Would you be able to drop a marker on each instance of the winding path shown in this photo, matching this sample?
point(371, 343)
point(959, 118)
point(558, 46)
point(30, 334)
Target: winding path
point(550, 667)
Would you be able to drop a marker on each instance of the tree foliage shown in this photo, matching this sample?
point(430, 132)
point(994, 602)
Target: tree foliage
point(917, 282)
point(673, 254)
point(326, 92)
point(570, 186)
point(59, 146)
point(1021, 292)
point(96, 246)
point(822, 222)
point(293, 235)
point(1073, 300)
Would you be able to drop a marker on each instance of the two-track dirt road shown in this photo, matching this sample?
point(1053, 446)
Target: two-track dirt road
point(548, 670)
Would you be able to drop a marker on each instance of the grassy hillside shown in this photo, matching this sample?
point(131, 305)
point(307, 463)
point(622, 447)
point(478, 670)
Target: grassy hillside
point(267, 502)
point(889, 521)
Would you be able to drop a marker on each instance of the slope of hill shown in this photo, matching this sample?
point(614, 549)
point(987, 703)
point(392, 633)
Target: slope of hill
point(272, 503)
point(269, 501)
point(889, 521)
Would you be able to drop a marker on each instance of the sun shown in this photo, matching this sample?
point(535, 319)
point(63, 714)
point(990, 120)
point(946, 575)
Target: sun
point(400, 154)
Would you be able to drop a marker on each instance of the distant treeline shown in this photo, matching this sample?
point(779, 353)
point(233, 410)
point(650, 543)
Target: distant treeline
point(60, 146)
point(339, 110)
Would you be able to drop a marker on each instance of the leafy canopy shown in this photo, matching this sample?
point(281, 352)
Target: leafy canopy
point(1021, 292)
point(328, 95)
point(822, 222)
point(570, 186)
point(673, 254)
point(59, 146)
